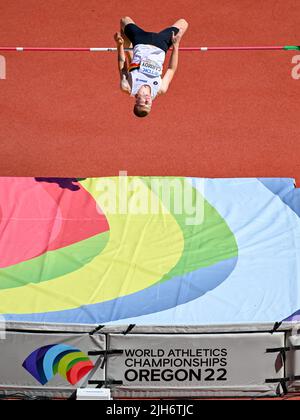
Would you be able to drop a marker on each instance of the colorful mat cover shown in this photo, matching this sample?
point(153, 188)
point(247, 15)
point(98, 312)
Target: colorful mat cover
point(149, 251)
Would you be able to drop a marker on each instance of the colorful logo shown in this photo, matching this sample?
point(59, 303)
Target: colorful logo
point(46, 362)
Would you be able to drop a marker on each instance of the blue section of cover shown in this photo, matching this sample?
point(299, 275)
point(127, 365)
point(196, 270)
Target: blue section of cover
point(285, 189)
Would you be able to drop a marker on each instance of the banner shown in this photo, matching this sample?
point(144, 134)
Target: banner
point(195, 365)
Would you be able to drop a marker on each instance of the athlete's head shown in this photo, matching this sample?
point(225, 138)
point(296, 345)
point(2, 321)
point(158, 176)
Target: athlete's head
point(141, 111)
point(143, 102)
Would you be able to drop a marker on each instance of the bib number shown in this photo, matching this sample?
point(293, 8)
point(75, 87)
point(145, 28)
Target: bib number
point(150, 68)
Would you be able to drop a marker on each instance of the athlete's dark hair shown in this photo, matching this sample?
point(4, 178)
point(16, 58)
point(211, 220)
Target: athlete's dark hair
point(141, 113)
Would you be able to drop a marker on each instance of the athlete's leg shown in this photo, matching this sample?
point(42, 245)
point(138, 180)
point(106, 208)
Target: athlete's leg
point(181, 24)
point(125, 21)
point(127, 43)
point(163, 39)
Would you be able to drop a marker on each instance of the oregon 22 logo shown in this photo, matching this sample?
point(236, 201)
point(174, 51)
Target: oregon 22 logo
point(58, 359)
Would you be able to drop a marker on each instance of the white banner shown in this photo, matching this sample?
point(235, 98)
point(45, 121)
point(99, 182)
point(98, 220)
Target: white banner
point(194, 365)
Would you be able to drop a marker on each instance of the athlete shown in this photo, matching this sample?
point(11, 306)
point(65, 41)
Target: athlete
point(141, 69)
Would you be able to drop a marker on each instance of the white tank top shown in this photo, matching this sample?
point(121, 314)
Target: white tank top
point(146, 68)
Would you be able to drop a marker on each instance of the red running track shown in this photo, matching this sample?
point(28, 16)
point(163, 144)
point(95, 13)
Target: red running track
point(227, 114)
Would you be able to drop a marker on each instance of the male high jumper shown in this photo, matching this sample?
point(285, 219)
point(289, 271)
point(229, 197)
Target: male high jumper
point(141, 69)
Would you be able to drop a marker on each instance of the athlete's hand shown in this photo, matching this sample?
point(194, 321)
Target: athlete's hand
point(177, 38)
point(118, 39)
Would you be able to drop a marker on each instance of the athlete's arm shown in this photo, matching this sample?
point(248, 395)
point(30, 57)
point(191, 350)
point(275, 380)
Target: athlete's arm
point(122, 64)
point(124, 85)
point(173, 63)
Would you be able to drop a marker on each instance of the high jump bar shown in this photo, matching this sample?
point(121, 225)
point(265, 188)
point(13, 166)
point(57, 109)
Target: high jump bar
point(199, 49)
